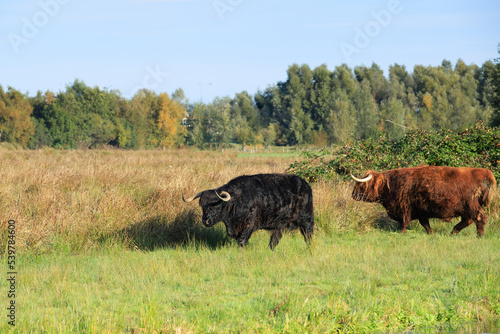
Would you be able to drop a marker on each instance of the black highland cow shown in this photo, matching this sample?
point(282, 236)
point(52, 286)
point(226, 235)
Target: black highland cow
point(273, 202)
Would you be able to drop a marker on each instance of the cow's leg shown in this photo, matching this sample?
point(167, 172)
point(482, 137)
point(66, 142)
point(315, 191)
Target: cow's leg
point(275, 238)
point(402, 227)
point(481, 223)
point(307, 232)
point(464, 222)
point(244, 236)
point(425, 223)
point(404, 222)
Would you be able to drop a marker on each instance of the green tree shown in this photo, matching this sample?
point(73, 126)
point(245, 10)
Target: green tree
point(341, 122)
point(61, 126)
point(393, 114)
point(401, 87)
point(378, 82)
point(453, 93)
point(142, 114)
point(210, 124)
point(495, 93)
point(322, 88)
point(101, 131)
point(292, 106)
point(124, 134)
point(245, 121)
point(180, 97)
point(343, 79)
point(486, 88)
point(41, 137)
point(94, 112)
point(264, 104)
point(366, 112)
point(243, 105)
point(268, 135)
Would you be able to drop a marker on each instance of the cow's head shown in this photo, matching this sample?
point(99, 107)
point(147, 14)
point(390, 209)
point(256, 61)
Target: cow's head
point(212, 203)
point(369, 187)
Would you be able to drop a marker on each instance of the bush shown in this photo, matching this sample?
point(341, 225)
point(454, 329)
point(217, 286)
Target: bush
point(478, 146)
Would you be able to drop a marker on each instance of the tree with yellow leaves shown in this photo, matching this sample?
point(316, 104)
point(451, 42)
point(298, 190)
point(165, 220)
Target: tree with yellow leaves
point(427, 101)
point(170, 132)
point(15, 123)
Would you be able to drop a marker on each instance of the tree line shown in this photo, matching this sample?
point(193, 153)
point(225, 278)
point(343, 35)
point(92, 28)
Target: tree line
point(311, 107)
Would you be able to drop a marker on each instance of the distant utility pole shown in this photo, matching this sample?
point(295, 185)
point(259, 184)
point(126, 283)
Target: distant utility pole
point(201, 93)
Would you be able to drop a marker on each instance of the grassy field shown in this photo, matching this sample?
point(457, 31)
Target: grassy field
point(104, 244)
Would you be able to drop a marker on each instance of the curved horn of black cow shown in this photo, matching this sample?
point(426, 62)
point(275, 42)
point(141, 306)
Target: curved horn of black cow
point(224, 195)
point(192, 198)
point(366, 179)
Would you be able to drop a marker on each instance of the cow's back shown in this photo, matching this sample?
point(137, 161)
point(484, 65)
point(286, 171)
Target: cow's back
point(440, 192)
point(273, 196)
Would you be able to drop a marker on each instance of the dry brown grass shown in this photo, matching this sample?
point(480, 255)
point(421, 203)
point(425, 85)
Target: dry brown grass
point(78, 200)
point(336, 211)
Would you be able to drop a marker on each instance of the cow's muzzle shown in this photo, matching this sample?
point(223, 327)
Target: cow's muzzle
point(207, 222)
point(358, 196)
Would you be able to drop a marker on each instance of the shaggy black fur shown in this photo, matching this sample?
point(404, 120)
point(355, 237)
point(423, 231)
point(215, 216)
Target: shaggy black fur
point(273, 202)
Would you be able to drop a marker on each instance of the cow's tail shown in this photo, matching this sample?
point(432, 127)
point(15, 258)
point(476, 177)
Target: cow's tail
point(489, 191)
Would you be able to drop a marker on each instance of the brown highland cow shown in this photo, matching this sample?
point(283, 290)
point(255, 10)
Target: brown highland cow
point(430, 192)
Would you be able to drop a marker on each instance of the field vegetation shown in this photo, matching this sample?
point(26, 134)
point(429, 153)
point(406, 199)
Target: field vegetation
point(105, 245)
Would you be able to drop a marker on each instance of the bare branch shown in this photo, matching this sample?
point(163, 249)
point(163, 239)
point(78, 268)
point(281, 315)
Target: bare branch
point(388, 120)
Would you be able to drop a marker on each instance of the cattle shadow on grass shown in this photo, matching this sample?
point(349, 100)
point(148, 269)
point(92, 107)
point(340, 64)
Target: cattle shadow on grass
point(384, 223)
point(441, 226)
point(184, 229)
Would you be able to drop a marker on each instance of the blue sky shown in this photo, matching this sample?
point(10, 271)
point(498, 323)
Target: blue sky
point(233, 44)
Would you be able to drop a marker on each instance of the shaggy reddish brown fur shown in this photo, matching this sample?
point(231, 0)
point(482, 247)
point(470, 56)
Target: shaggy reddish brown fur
point(431, 192)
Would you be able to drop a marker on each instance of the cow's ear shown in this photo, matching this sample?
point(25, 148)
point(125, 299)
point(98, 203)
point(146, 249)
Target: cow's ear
point(380, 182)
point(208, 198)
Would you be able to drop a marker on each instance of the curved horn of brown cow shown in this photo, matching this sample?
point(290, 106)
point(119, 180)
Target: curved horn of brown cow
point(366, 179)
point(224, 195)
point(192, 198)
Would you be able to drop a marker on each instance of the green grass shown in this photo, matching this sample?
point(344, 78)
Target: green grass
point(351, 282)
